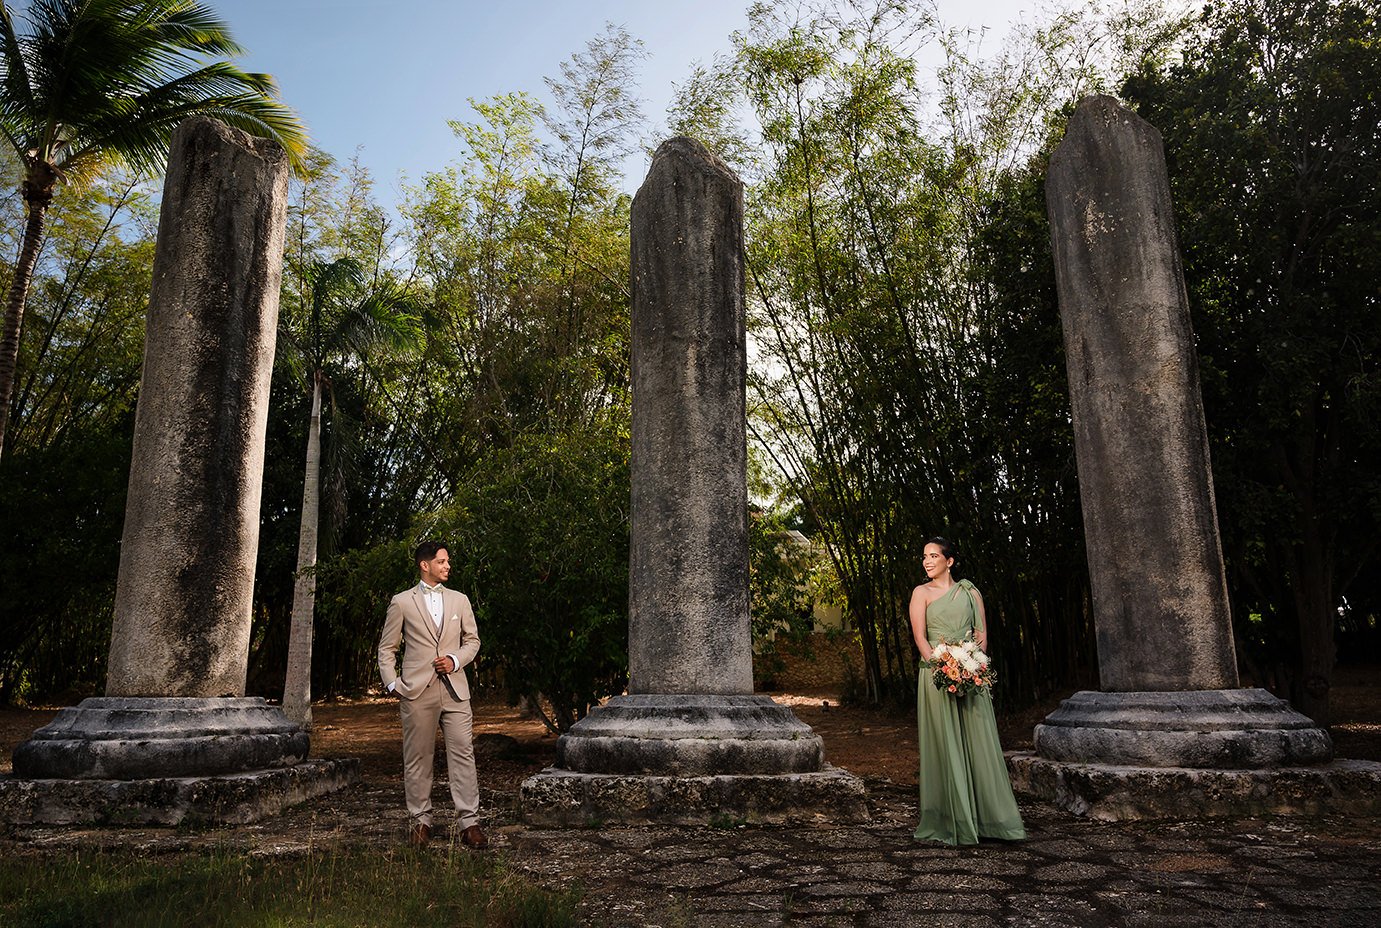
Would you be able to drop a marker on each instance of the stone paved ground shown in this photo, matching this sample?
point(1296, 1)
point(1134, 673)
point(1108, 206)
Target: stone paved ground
point(1070, 872)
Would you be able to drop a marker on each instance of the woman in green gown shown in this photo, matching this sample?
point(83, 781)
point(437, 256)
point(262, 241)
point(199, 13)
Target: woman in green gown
point(965, 791)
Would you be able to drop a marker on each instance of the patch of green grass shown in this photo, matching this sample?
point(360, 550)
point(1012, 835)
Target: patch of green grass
point(323, 889)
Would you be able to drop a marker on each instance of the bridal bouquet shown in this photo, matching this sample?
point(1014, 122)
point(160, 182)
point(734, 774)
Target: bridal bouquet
point(960, 669)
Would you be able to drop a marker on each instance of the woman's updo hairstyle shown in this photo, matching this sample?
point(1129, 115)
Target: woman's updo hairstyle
point(945, 545)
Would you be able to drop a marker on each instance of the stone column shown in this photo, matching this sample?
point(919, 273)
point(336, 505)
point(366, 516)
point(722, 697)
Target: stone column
point(688, 625)
point(1155, 561)
point(1165, 647)
point(186, 581)
point(175, 701)
point(690, 741)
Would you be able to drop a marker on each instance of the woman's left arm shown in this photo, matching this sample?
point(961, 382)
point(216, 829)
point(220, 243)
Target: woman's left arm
point(981, 632)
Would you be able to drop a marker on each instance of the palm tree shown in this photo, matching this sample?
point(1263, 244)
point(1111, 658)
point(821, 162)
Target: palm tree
point(96, 82)
point(344, 321)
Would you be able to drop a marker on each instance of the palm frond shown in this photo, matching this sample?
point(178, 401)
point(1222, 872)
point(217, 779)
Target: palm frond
point(291, 353)
point(330, 286)
point(81, 173)
point(192, 25)
point(332, 281)
point(388, 319)
point(139, 129)
point(91, 75)
point(15, 75)
point(346, 314)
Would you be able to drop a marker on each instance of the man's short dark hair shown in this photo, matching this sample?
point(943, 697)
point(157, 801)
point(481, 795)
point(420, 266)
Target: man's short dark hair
point(428, 550)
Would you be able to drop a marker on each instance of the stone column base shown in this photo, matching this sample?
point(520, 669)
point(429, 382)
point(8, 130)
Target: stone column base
point(233, 799)
point(1244, 729)
point(1114, 793)
point(141, 738)
point(690, 735)
point(691, 759)
point(558, 798)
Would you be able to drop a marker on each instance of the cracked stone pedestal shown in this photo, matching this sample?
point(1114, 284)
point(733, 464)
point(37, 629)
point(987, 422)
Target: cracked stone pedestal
point(691, 760)
point(164, 761)
point(1192, 754)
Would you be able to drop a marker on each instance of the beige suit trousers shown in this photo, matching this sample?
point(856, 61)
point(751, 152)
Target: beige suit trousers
point(420, 717)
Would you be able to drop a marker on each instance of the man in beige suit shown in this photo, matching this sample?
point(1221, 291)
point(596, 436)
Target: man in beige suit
point(437, 629)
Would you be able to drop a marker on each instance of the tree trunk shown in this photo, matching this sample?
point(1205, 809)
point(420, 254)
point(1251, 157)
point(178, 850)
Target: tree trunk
point(297, 686)
point(1318, 652)
point(14, 306)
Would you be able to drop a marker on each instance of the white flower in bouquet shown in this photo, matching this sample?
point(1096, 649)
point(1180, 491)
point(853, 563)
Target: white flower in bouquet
point(961, 668)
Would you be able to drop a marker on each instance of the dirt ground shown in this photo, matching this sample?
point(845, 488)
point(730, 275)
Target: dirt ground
point(867, 741)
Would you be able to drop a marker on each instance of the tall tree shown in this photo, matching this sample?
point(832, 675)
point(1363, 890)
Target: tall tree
point(345, 321)
point(910, 383)
point(704, 109)
point(63, 480)
point(595, 109)
point(97, 82)
point(523, 247)
point(594, 114)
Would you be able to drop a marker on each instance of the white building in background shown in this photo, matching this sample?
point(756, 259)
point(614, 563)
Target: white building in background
point(828, 616)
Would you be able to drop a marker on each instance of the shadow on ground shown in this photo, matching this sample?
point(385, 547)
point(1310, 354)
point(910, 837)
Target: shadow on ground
point(1070, 872)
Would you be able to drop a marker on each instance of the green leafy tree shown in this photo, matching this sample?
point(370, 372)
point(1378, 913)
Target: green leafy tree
point(521, 250)
point(373, 463)
point(62, 482)
point(594, 116)
point(93, 83)
point(705, 109)
point(910, 380)
point(524, 249)
point(540, 535)
point(595, 110)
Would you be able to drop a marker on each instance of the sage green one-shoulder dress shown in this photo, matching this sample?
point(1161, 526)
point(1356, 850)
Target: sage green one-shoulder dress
point(965, 791)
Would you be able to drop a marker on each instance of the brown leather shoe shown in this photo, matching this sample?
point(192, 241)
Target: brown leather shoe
point(420, 835)
point(473, 838)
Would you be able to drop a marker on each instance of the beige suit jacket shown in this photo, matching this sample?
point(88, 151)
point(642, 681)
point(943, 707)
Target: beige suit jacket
point(408, 622)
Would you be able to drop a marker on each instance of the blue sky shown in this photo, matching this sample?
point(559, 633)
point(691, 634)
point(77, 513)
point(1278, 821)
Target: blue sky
point(387, 74)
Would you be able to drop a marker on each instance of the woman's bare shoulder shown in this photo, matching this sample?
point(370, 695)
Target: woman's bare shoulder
point(925, 593)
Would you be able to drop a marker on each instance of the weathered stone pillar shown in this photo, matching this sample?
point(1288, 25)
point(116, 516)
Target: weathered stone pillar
point(688, 625)
point(1160, 594)
point(186, 582)
point(690, 741)
point(175, 704)
point(1165, 647)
